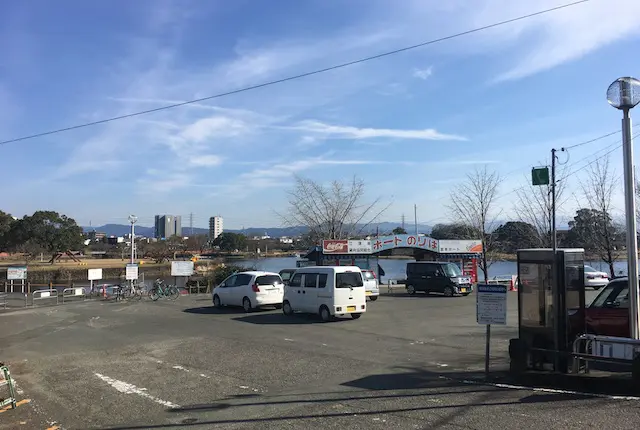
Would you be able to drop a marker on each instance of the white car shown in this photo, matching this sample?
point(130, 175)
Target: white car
point(594, 278)
point(371, 288)
point(251, 290)
point(328, 291)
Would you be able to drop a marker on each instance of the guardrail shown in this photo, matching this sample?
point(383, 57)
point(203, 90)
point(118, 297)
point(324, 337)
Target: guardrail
point(606, 349)
point(73, 293)
point(51, 293)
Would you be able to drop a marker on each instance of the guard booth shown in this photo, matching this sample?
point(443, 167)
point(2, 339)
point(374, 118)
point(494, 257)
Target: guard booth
point(551, 303)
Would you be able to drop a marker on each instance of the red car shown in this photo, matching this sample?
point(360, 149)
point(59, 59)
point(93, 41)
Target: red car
point(608, 314)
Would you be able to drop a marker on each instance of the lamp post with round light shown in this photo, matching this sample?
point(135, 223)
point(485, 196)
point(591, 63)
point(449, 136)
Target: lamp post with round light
point(624, 94)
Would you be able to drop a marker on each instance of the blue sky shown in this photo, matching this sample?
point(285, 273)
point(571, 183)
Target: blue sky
point(410, 125)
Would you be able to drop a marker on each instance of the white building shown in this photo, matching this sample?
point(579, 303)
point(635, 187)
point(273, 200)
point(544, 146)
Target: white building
point(215, 227)
point(286, 240)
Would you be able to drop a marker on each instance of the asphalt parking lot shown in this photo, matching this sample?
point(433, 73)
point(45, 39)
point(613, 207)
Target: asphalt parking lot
point(409, 363)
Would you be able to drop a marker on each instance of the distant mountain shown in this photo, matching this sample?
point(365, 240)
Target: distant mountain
point(124, 229)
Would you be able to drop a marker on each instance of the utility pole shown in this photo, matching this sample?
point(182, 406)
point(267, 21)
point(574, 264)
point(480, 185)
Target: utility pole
point(403, 221)
point(191, 224)
point(415, 217)
point(132, 220)
point(554, 264)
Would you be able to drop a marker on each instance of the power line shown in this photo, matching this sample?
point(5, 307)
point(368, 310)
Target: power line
point(590, 141)
point(299, 76)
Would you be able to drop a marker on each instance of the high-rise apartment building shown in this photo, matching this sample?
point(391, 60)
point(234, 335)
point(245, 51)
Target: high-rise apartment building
point(167, 226)
point(215, 227)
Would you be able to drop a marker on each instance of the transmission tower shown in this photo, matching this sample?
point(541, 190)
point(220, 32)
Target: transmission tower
point(403, 221)
point(191, 224)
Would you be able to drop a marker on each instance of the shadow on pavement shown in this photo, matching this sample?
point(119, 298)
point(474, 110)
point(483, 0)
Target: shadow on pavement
point(373, 390)
point(210, 310)
point(281, 319)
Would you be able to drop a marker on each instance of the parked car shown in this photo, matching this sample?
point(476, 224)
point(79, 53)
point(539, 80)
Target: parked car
point(437, 277)
point(329, 291)
point(371, 287)
point(251, 290)
point(594, 278)
point(286, 275)
point(608, 314)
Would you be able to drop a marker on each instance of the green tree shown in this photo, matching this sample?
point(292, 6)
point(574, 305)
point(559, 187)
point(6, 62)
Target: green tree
point(230, 241)
point(46, 231)
point(6, 221)
point(515, 235)
point(596, 232)
point(455, 231)
point(399, 230)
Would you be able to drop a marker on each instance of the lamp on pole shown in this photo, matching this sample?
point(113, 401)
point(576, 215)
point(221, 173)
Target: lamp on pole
point(132, 220)
point(624, 94)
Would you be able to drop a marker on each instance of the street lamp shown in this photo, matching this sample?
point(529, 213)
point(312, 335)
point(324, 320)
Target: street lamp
point(624, 94)
point(132, 220)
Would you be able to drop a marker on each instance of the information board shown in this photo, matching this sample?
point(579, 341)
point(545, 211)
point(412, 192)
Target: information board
point(16, 273)
point(181, 268)
point(491, 304)
point(94, 274)
point(131, 273)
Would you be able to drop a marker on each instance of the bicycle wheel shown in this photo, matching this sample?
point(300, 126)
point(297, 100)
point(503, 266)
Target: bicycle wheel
point(154, 294)
point(173, 292)
point(137, 295)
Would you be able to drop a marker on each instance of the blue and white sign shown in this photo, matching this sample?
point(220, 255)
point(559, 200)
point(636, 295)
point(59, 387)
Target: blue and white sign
point(491, 304)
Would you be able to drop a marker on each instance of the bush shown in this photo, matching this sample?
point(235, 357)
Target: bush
point(220, 273)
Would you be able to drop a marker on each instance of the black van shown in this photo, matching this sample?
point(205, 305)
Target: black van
point(437, 277)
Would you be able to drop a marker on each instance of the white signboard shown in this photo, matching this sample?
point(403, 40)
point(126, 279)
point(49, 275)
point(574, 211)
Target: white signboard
point(359, 247)
point(94, 274)
point(131, 273)
point(491, 304)
point(181, 268)
point(16, 273)
point(459, 246)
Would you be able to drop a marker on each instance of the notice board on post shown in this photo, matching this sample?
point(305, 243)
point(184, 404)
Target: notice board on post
point(94, 274)
point(131, 273)
point(491, 304)
point(182, 268)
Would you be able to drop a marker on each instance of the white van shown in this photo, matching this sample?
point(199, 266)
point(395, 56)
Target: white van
point(329, 291)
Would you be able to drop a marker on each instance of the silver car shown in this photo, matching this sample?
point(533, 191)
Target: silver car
point(594, 278)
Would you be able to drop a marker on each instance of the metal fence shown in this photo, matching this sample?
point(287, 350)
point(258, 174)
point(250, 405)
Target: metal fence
point(75, 293)
point(48, 294)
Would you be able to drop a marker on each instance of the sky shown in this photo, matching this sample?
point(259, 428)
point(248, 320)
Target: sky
point(410, 125)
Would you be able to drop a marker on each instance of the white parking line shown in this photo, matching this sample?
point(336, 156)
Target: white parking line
point(127, 388)
point(543, 390)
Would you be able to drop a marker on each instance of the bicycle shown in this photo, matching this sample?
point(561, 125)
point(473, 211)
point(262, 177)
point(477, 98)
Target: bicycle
point(131, 292)
point(159, 289)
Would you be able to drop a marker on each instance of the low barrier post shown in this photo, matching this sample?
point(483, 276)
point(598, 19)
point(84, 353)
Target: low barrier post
point(3, 300)
point(44, 294)
point(74, 292)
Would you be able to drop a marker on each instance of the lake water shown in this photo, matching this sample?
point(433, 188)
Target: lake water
point(396, 269)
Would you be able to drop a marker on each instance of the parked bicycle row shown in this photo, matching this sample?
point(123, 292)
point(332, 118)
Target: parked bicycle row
point(158, 290)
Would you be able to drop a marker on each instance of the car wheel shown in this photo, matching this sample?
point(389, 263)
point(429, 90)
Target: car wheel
point(325, 315)
point(216, 302)
point(411, 290)
point(373, 298)
point(356, 316)
point(448, 292)
point(246, 305)
point(287, 309)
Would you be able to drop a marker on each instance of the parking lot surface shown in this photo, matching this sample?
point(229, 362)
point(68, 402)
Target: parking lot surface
point(408, 363)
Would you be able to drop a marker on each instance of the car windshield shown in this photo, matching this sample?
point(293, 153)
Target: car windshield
point(451, 270)
point(601, 298)
point(348, 280)
point(589, 269)
point(286, 275)
point(268, 280)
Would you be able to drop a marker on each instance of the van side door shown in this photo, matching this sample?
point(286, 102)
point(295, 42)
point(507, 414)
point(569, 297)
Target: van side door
point(294, 292)
point(310, 292)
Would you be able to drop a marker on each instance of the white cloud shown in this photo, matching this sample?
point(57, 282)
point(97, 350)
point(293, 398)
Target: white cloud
point(206, 160)
point(423, 74)
point(349, 132)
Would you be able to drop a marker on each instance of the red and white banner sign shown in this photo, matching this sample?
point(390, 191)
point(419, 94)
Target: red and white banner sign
point(335, 246)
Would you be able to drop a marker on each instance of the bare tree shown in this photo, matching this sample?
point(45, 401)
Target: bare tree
point(336, 211)
point(533, 206)
point(473, 204)
point(598, 189)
